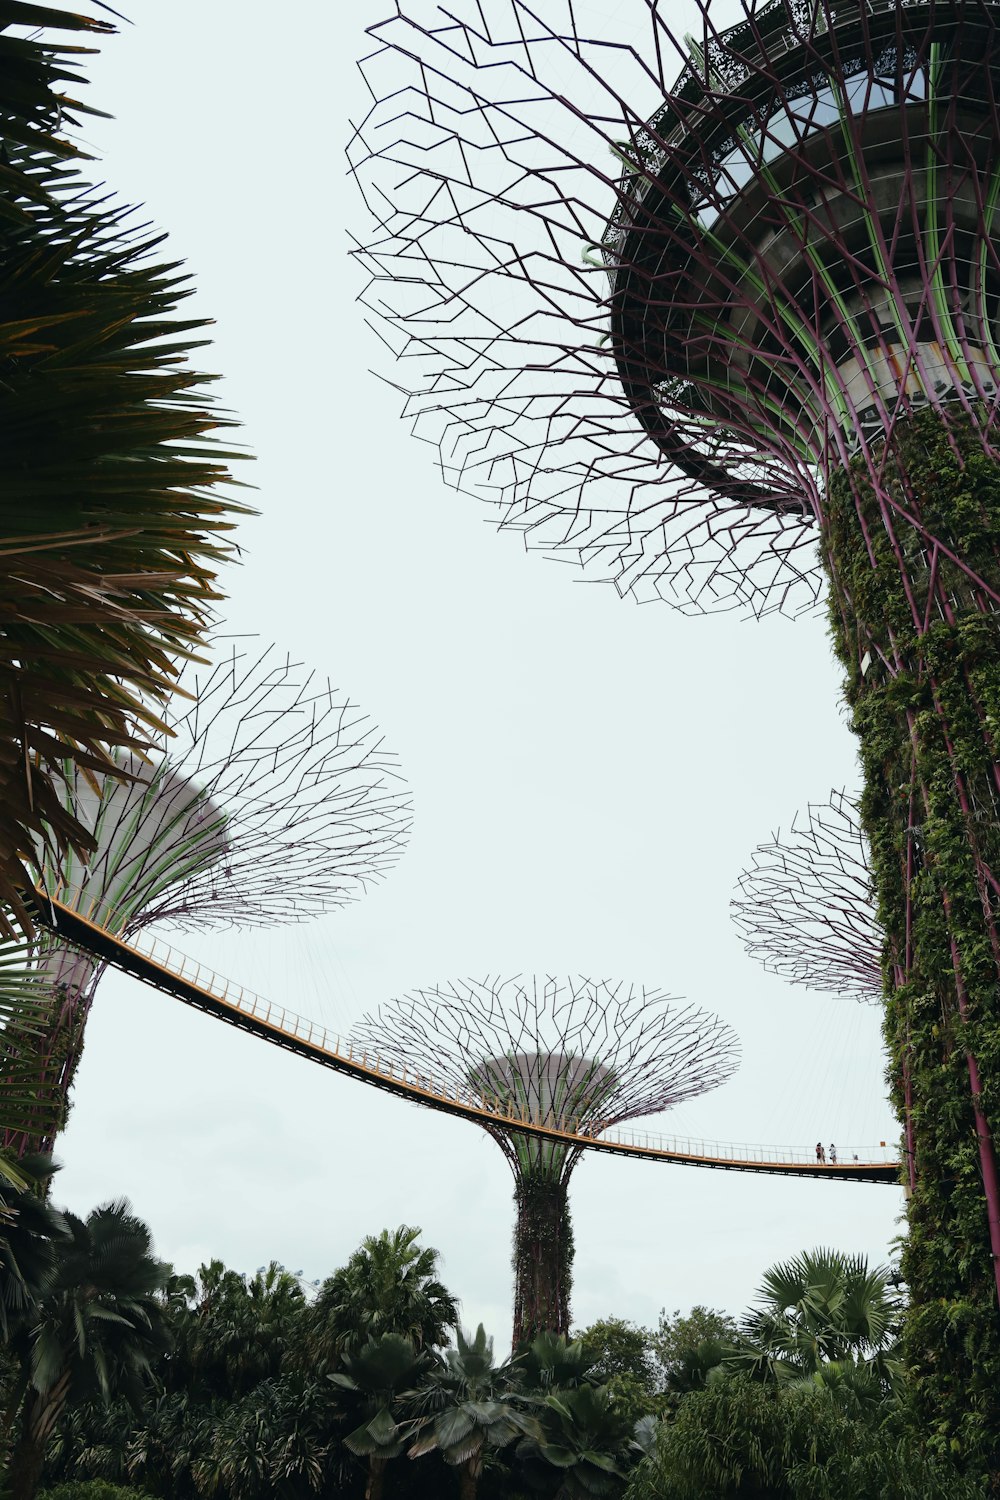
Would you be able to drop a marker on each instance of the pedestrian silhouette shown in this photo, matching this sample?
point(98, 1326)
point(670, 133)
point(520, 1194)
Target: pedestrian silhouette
point(833, 1152)
point(820, 1153)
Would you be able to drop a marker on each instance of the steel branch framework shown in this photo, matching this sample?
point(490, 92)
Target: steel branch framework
point(272, 799)
point(576, 1054)
point(681, 306)
point(626, 322)
point(805, 908)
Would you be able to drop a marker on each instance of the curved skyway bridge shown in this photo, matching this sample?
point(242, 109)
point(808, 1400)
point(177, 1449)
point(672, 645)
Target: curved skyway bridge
point(172, 973)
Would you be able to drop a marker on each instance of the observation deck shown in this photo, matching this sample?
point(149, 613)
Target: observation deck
point(801, 245)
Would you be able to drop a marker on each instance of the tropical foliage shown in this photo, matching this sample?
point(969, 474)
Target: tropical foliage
point(467, 1409)
point(389, 1285)
point(92, 1330)
point(925, 699)
point(111, 522)
point(253, 1388)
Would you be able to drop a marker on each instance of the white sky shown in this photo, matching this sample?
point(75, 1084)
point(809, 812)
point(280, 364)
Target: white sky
point(589, 777)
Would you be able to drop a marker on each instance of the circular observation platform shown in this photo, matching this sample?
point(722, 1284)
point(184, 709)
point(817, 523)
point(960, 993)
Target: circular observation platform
point(804, 239)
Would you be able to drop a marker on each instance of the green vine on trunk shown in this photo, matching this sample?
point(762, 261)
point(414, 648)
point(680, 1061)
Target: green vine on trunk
point(543, 1257)
point(920, 643)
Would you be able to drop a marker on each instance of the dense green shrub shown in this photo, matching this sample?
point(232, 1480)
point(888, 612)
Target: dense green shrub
point(741, 1439)
point(91, 1489)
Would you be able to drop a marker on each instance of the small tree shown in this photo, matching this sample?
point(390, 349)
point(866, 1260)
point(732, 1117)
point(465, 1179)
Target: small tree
point(584, 1447)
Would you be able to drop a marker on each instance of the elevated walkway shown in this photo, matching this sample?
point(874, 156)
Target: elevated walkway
point(172, 973)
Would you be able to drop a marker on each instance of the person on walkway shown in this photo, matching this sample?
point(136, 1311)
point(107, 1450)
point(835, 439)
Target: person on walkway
point(833, 1152)
point(820, 1153)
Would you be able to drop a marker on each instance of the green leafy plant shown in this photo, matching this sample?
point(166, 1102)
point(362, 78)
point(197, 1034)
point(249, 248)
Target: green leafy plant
point(93, 1329)
point(467, 1408)
point(926, 709)
point(112, 522)
point(91, 1489)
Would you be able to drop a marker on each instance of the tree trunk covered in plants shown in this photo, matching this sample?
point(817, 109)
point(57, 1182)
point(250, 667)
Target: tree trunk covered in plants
point(543, 1258)
point(920, 642)
point(56, 1043)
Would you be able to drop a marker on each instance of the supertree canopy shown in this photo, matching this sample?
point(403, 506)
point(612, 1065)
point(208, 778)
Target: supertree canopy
point(807, 912)
point(270, 799)
point(718, 314)
point(576, 1054)
point(805, 908)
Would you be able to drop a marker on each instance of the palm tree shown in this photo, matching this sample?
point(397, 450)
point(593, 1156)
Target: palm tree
point(381, 1373)
point(111, 527)
point(96, 1328)
point(823, 1309)
point(389, 1285)
point(553, 1362)
point(231, 1331)
point(29, 1232)
point(466, 1409)
point(585, 1438)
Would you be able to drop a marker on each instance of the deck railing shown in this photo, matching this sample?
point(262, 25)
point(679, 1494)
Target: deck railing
point(280, 1022)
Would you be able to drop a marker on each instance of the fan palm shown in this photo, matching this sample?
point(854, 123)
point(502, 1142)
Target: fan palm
point(466, 1409)
point(378, 1375)
point(97, 1326)
point(585, 1438)
point(110, 525)
point(822, 1308)
point(553, 1362)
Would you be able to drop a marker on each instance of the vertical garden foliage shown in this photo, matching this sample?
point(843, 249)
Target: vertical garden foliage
point(543, 1257)
point(921, 647)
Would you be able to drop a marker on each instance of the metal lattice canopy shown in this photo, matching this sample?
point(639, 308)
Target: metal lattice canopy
point(573, 1052)
point(273, 799)
point(806, 909)
point(647, 288)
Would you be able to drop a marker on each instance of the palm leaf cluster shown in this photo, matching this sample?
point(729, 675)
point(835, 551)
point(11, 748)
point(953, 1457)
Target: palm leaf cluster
point(26, 1010)
point(824, 1317)
point(80, 1317)
point(112, 525)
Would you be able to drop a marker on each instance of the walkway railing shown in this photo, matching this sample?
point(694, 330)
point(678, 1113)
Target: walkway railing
point(168, 970)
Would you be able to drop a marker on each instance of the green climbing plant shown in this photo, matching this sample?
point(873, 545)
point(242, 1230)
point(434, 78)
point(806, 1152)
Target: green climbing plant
point(920, 644)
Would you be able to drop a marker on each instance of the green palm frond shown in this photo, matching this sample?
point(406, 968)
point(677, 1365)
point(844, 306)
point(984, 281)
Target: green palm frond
point(112, 525)
point(26, 1006)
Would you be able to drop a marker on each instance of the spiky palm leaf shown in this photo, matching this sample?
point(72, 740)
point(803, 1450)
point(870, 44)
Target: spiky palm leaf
point(25, 1014)
point(110, 526)
point(817, 1308)
point(467, 1407)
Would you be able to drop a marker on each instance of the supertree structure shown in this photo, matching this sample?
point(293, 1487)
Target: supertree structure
point(571, 1053)
point(806, 911)
point(805, 908)
point(271, 799)
point(718, 313)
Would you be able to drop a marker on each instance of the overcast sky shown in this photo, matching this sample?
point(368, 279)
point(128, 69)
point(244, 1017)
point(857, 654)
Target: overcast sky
point(589, 776)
